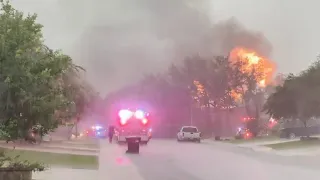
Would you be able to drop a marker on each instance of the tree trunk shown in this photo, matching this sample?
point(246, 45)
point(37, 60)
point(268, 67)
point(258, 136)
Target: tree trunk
point(248, 111)
point(305, 123)
point(76, 126)
point(228, 123)
point(208, 119)
point(70, 131)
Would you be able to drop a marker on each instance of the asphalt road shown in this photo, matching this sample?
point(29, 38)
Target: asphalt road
point(170, 160)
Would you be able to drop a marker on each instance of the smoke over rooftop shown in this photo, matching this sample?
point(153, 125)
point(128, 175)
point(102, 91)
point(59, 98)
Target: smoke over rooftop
point(118, 41)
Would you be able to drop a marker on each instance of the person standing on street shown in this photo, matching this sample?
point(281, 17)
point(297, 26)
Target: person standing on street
point(111, 133)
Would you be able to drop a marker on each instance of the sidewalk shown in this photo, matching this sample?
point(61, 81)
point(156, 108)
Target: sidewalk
point(52, 149)
point(82, 141)
point(68, 147)
point(259, 147)
point(63, 173)
point(260, 143)
point(299, 152)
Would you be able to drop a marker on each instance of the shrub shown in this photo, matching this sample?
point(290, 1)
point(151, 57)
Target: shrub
point(15, 163)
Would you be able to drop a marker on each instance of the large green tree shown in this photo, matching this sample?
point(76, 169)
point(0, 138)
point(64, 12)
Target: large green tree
point(32, 88)
point(298, 97)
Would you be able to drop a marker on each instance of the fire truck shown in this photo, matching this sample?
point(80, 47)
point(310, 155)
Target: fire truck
point(133, 123)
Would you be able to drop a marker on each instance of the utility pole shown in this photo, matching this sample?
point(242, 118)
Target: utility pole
point(191, 109)
point(191, 115)
point(77, 120)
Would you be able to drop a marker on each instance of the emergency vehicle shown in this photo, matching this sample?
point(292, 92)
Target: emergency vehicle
point(133, 123)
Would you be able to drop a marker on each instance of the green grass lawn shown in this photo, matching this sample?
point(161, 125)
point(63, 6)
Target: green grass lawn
point(253, 140)
point(295, 144)
point(56, 159)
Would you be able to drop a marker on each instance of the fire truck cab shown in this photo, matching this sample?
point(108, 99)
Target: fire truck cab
point(133, 124)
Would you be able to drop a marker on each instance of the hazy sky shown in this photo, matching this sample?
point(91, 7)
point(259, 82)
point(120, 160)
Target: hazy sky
point(119, 40)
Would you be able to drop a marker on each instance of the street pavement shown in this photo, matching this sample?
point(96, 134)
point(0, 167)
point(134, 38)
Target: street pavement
point(170, 160)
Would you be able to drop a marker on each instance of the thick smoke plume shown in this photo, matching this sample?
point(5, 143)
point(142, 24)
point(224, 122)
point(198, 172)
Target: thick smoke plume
point(121, 40)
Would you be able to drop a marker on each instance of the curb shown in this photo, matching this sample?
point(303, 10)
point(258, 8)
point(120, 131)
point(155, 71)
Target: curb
point(262, 149)
point(257, 148)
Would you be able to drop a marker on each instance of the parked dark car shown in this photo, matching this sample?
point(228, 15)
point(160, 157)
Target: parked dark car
point(294, 132)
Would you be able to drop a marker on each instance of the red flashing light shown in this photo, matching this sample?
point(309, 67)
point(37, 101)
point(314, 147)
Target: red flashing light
point(248, 119)
point(144, 121)
point(123, 121)
point(248, 135)
point(125, 114)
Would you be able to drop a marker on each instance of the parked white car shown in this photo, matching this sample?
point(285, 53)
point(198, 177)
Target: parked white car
point(46, 138)
point(189, 133)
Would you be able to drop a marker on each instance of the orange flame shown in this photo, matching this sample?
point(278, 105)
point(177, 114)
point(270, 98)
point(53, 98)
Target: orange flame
point(236, 96)
point(200, 89)
point(251, 60)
